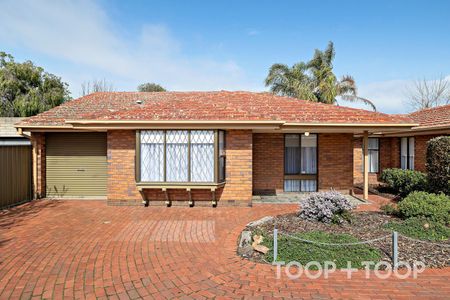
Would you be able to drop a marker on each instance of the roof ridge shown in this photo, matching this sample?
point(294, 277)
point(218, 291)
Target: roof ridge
point(430, 108)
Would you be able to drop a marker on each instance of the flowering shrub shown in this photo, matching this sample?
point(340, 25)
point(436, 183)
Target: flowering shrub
point(325, 207)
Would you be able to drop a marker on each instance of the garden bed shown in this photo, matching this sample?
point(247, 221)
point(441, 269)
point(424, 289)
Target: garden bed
point(364, 226)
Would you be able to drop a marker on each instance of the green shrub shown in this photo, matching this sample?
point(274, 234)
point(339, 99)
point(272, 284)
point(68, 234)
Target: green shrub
point(438, 164)
point(430, 206)
point(389, 209)
point(403, 182)
point(421, 228)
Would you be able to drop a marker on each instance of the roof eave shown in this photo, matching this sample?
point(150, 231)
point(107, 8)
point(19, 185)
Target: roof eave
point(418, 130)
point(217, 124)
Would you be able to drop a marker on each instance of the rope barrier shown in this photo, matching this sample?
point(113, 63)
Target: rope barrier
point(424, 242)
point(337, 244)
point(360, 243)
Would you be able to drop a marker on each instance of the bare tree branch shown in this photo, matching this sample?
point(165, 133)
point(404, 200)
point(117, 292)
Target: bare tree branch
point(425, 93)
point(89, 87)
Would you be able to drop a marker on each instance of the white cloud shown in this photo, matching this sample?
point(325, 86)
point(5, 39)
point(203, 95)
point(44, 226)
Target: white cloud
point(252, 32)
point(388, 96)
point(81, 34)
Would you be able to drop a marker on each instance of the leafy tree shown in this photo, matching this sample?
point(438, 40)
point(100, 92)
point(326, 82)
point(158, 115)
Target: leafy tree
point(26, 89)
point(150, 87)
point(314, 80)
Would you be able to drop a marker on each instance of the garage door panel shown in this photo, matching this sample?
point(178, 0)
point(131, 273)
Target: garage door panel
point(76, 165)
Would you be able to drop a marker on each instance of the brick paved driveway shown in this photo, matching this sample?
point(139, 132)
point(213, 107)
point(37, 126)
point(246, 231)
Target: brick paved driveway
point(86, 249)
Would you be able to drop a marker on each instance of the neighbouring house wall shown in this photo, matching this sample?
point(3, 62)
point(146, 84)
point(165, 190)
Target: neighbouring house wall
point(122, 187)
point(39, 182)
point(268, 162)
point(335, 161)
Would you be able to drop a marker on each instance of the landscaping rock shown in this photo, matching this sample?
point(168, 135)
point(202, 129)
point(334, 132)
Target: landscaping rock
point(245, 248)
point(261, 248)
point(260, 221)
point(257, 239)
point(246, 251)
point(246, 239)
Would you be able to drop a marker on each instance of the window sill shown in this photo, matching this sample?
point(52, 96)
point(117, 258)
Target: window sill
point(180, 185)
point(301, 176)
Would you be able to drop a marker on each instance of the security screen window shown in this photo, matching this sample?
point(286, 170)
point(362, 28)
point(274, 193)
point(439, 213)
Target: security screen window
point(182, 156)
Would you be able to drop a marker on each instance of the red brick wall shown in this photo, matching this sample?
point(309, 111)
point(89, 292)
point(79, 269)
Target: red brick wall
point(390, 156)
point(395, 153)
point(121, 166)
point(335, 161)
point(38, 143)
point(268, 162)
point(239, 166)
point(420, 145)
point(121, 172)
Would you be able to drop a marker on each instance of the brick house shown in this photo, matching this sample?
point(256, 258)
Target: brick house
point(404, 149)
point(202, 147)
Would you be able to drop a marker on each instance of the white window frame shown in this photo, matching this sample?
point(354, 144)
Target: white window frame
point(216, 178)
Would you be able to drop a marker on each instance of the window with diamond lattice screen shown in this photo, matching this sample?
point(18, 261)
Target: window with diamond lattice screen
point(181, 156)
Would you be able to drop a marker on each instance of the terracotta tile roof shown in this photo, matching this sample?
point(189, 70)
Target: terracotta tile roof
point(203, 106)
point(436, 117)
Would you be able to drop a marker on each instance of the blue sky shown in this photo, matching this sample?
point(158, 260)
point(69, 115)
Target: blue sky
point(214, 45)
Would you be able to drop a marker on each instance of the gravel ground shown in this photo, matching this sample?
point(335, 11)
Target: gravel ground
point(365, 226)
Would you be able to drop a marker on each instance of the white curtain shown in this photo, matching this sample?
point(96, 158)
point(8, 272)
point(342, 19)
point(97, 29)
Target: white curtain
point(296, 185)
point(291, 185)
point(202, 156)
point(374, 155)
point(308, 186)
point(309, 154)
point(292, 155)
point(404, 153)
point(373, 161)
point(152, 155)
point(177, 155)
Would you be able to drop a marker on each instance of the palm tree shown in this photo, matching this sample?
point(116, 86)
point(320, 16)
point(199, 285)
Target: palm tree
point(314, 80)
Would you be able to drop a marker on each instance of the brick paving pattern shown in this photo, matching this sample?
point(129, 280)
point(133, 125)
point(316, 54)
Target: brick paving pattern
point(85, 249)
